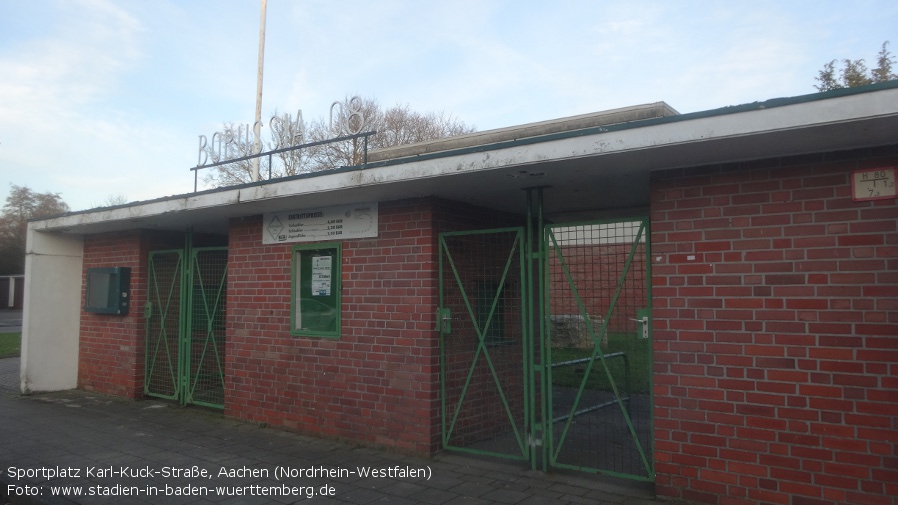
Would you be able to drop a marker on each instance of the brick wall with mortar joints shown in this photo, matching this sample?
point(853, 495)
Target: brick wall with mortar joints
point(111, 347)
point(377, 383)
point(776, 333)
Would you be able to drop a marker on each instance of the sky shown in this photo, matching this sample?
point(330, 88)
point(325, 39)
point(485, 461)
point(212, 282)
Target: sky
point(105, 100)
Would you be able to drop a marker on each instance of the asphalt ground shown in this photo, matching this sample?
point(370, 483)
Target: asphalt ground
point(112, 450)
point(10, 321)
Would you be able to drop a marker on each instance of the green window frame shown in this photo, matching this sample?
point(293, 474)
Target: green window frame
point(316, 298)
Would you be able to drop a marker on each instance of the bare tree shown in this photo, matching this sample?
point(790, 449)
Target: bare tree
point(116, 199)
point(398, 125)
point(350, 116)
point(112, 200)
point(229, 143)
point(286, 131)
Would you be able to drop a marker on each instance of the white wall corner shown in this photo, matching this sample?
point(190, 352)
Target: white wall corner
point(52, 311)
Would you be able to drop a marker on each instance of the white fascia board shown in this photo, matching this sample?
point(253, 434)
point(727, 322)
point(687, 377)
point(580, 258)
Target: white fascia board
point(176, 204)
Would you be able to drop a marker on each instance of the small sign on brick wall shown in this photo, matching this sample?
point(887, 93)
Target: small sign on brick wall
point(325, 223)
point(873, 184)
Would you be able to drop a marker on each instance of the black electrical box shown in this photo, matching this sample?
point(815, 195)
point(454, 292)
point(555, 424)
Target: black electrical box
point(108, 290)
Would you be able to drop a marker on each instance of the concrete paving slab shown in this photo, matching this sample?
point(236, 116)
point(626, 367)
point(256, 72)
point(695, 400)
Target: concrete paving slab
point(9, 374)
point(104, 447)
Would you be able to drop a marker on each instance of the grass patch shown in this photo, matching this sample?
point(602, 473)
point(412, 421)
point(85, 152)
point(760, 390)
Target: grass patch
point(638, 353)
point(10, 344)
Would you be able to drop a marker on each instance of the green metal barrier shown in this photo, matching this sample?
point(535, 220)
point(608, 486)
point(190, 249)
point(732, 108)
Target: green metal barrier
point(615, 401)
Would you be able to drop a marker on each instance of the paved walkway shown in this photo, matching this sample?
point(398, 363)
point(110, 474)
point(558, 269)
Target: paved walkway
point(149, 451)
point(9, 376)
point(10, 321)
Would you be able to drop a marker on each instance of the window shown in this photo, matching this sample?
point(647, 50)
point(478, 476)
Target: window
point(316, 290)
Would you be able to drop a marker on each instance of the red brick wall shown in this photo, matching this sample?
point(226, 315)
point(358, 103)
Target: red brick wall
point(112, 347)
point(111, 353)
point(775, 334)
point(378, 383)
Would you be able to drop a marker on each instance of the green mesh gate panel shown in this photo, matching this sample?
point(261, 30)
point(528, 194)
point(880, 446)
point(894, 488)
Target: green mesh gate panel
point(204, 348)
point(163, 324)
point(185, 325)
point(481, 323)
point(599, 348)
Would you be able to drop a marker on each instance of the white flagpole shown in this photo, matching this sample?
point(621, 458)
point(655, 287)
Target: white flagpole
point(257, 126)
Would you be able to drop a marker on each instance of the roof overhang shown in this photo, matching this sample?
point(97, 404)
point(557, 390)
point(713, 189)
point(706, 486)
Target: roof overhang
point(603, 166)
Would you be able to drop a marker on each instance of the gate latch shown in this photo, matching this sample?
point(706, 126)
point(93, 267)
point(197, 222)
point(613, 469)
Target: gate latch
point(643, 320)
point(444, 320)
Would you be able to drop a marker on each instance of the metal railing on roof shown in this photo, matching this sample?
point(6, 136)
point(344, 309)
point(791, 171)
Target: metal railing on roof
point(269, 154)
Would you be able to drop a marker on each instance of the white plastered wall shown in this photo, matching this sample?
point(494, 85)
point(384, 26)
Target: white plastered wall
point(51, 312)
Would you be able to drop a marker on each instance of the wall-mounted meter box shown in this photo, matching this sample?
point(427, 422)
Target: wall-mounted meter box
point(108, 290)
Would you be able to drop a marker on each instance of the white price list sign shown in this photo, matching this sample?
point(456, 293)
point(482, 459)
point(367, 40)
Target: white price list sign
point(315, 225)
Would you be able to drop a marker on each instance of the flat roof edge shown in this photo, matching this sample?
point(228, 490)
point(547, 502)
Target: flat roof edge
point(792, 100)
point(655, 113)
point(528, 130)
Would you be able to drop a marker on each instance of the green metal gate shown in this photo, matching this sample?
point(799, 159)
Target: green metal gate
point(545, 336)
point(598, 348)
point(185, 325)
point(163, 324)
point(484, 346)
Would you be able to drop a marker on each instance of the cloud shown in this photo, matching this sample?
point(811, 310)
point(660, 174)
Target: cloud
point(52, 83)
point(91, 43)
point(61, 129)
